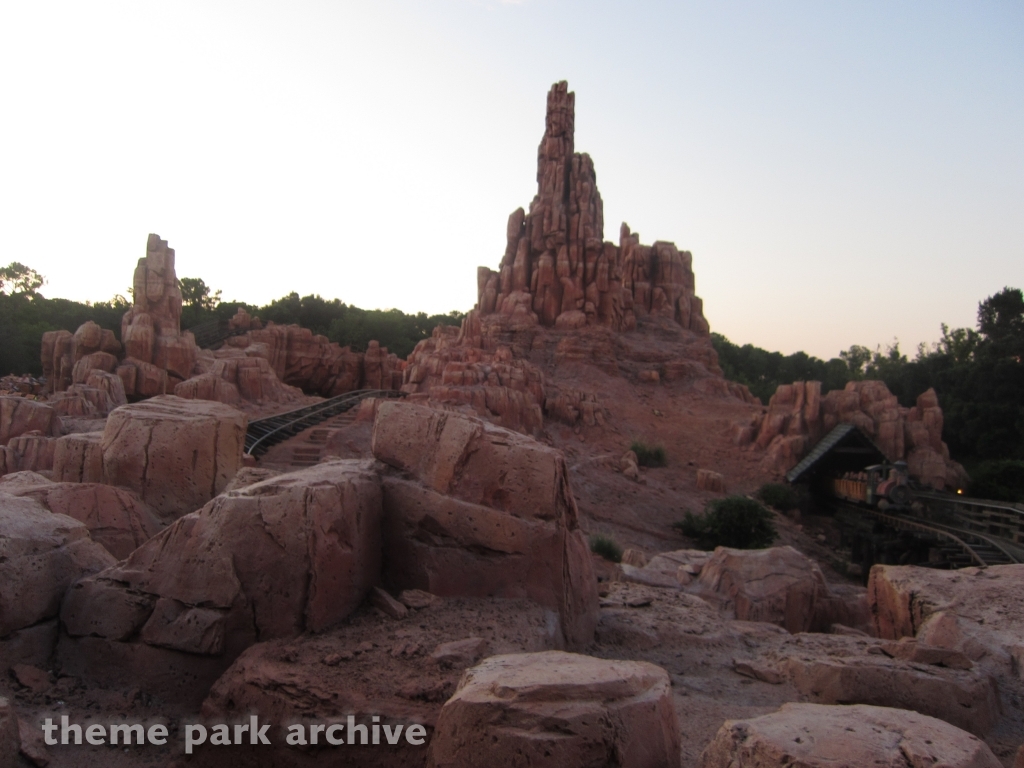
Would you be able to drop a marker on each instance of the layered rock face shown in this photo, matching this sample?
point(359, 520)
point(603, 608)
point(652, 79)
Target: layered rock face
point(558, 709)
point(798, 416)
point(292, 553)
point(823, 736)
point(27, 429)
point(557, 268)
point(62, 353)
point(482, 511)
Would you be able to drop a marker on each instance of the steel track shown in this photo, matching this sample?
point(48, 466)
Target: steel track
point(264, 433)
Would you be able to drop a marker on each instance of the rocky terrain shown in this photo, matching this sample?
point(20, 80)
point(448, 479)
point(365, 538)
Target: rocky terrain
point(422, 564)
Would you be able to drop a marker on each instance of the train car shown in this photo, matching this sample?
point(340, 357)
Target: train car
point(880, 485)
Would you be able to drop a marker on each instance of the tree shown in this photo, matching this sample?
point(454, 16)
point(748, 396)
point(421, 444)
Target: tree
point(17, 278)
point(196, 293)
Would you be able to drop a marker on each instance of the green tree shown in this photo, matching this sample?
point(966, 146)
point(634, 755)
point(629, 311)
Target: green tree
point(17, 278)
point(196, 293)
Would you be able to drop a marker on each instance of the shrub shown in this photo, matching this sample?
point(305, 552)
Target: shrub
point(734, 521)
point(779, 495)
point(648, 455)
point(606, 547)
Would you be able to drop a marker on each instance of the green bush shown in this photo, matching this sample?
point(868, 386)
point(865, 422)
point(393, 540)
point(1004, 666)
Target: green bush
point(998, 480)
point(734, 521)
point(779, 495)
point(606, 547)
point(648, 455)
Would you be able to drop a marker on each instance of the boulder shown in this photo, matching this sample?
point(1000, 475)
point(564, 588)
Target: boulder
point(824, 736)
point(293, 553)
point(19, 416)
point(41, 555)
point(78, 458)
point(777, 585)
point(973, 610)
point(558, 709)
point(116, 517)
point(712, 482)
point(175, 454)
point(482, 511)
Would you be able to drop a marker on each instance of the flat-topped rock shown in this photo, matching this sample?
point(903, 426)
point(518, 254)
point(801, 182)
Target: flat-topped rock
point(825, 736)
point(558, 709)
point(176, 454)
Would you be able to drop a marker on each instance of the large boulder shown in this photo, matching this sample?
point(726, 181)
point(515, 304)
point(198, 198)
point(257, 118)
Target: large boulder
point(777, 585)
point(293, 553)
point(827, 736)
point(977, 611)
point(19, 416)
point(845, 669)
point(558, 709)
point(41, 555)
point(482, 511)
point(176, 454)
point(116, 517)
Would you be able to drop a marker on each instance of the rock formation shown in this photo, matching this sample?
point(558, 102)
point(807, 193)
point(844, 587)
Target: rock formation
point(798, 416)
point(558, 709)
point(557, 269)
point(176, 454)
point(41, 555)
point(822, 736)
point(151, 329)
point(116, 518)
point(482, 511)
point(290, 554)
point(563, 295)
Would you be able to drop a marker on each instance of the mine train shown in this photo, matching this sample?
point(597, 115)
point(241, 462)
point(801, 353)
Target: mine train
point(880, 485)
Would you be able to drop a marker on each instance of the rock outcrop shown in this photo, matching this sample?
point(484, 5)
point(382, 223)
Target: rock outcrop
point(151, 329)
point(481, 511)
point(116, 518)
point(976, 611)
point(558, 271)
point(558, 709)
point(823, 736)
point(798, 416)
point(41, 555)
point(293, 553)
point(777, 585)
point(175, 454)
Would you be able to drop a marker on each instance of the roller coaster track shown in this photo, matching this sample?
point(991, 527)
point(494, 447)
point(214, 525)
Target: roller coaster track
point(263, 433)
point(994, 518)
point(979, 549)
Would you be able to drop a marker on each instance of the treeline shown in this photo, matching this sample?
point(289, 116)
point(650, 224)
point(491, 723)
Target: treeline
point(25, 315)
point(978, 374)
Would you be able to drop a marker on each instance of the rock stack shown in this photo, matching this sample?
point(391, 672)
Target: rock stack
point(557, 266)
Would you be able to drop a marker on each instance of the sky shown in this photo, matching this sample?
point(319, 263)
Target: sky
point(843, 172)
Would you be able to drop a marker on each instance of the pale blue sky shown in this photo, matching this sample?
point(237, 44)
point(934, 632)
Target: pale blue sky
point(842, 172)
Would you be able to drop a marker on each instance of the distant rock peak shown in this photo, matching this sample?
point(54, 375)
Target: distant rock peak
point(557, 268)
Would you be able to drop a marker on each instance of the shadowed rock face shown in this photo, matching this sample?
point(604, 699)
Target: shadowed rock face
point(558, 709)
point(481, 511)
point(814, 735)
point(292, 553)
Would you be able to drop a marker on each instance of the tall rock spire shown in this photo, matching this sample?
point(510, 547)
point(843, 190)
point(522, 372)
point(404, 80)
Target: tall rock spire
point(557, 266)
